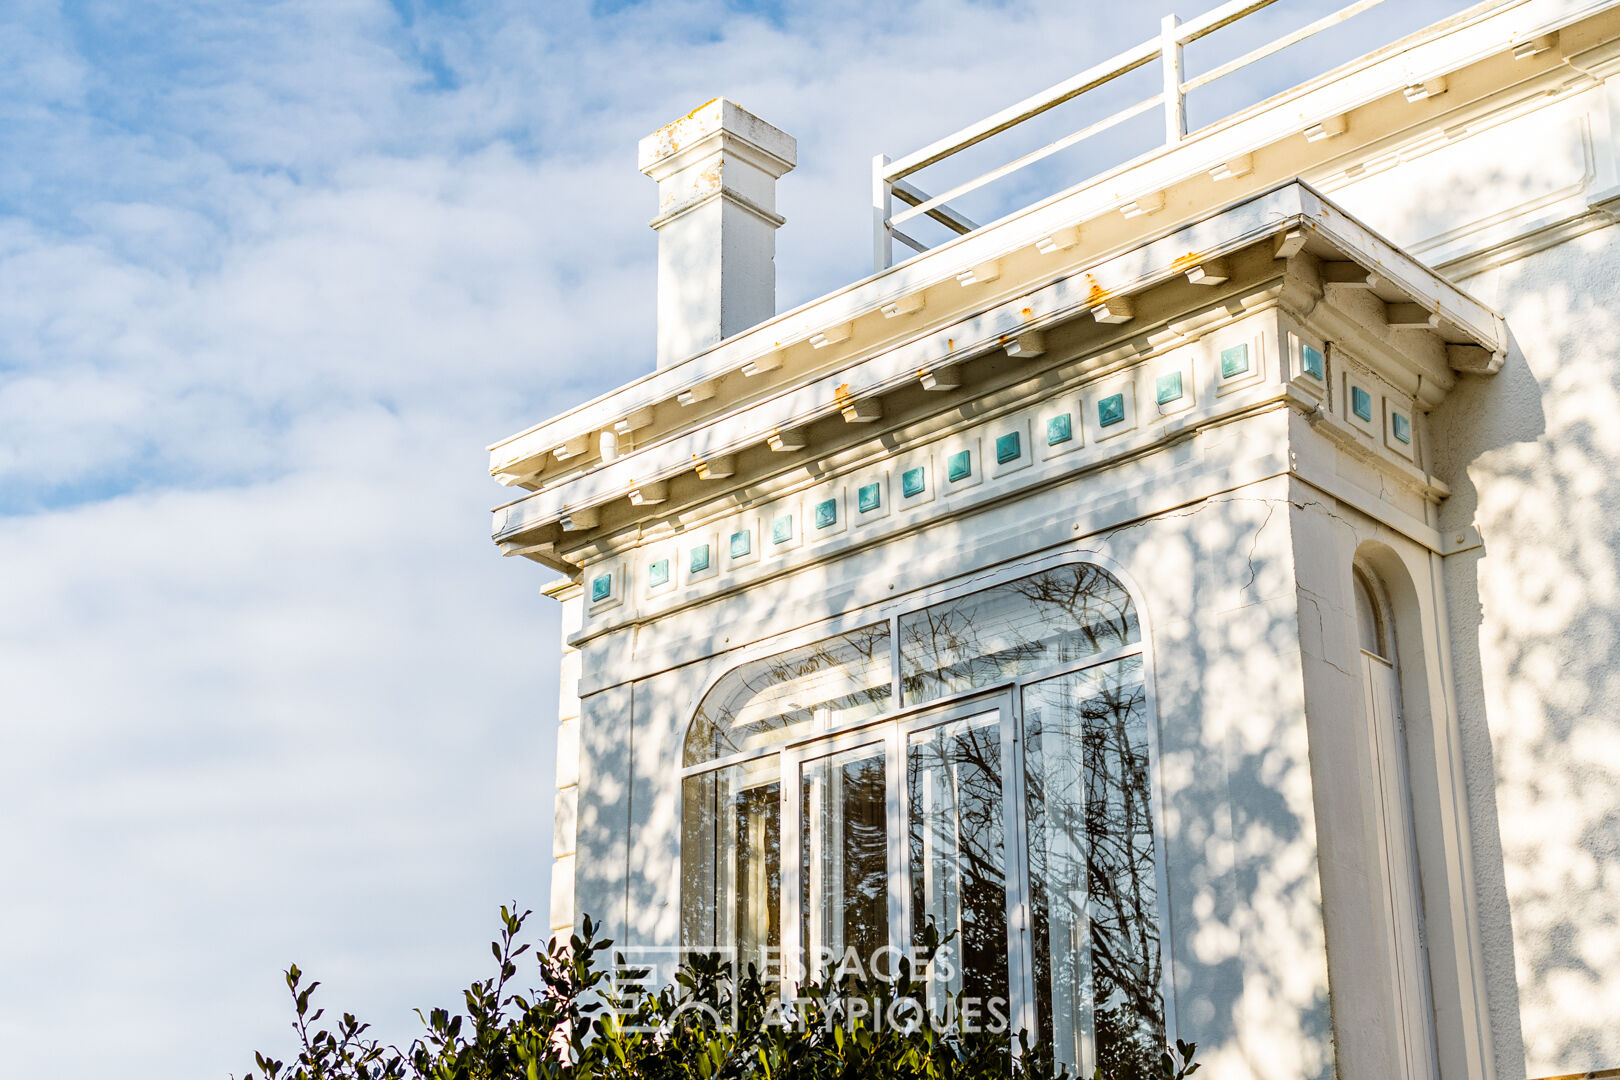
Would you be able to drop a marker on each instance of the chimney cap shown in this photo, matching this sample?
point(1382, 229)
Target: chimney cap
point(709, 126)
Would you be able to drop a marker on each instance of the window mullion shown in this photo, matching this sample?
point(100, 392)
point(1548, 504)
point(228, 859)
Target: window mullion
point(899, 870)
point(1020, 973)
point(792, 885)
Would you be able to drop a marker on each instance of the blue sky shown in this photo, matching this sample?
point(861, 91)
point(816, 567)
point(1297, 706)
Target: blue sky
point(271, 276)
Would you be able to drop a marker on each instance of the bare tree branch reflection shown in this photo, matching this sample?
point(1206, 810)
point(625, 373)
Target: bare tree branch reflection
point(958, 864)
point(1092, 868)
point(1092, 888)
point(1055, 617)
point(844, 679)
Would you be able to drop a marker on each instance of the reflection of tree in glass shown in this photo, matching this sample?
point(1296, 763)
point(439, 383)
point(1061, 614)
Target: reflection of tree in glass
point(847, 676)
point(759, 873)
point(1121, 882)
point(731, 858)
point(844, 846)
point(957, 858)
point(1092, 870)
point(1049, 618)
point(866, 849)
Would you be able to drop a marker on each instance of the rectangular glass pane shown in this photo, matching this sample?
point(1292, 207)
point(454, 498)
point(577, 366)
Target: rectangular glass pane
point(958, 865)
point(1054, 617)
point(844, 853)
point(1094, 904)
point(731, 861)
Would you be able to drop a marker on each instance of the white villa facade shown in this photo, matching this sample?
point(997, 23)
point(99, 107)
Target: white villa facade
point(1199, 591)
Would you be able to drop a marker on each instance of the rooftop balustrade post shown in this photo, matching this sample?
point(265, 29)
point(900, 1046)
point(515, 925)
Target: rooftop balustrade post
point(882, 206)
point(1175, 111)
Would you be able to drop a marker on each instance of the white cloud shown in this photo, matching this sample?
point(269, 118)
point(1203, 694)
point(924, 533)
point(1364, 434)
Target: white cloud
point(270, 277)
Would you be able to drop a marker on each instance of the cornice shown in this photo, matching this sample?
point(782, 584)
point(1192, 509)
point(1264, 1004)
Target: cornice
point(1408, 321)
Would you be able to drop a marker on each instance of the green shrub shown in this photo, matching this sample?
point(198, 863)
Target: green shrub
point(707, 1025)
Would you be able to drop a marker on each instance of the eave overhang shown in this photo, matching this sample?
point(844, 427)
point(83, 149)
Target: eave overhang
point(1291, 220)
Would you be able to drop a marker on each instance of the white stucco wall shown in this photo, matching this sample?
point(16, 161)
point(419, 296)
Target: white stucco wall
point(1533, 457)
point(1215, 584)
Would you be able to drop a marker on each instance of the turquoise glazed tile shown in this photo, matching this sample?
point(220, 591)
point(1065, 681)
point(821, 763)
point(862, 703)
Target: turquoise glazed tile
point(1059, 429)
point(1234, 361)
point(1008, 448)
point(1111, 410)
point(700, 559)
point(913, 482)
point(1402, 427)
point(869, 497)
point(742, 542)
point(601, 587)
point(1169, 388)
point(782, 529)
point(826, 513)
point(658, 573)
point(1311, 360)
point(959, 466)
point(1361, 402)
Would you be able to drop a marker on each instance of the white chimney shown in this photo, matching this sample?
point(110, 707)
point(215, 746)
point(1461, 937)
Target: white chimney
point(716, 169)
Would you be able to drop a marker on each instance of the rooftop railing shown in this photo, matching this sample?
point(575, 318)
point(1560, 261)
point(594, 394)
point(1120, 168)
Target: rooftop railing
point(889, 181)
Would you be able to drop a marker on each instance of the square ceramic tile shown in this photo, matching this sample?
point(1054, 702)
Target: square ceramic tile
point(658, 574)
point(603, 589)
point(1312, 362)
point(871, 500)
point(1172, 383)
point(1113, 410)
point(741, 545)
point(1058, 433)
point(1399, 435)
point(699, 558)
point(782, 530)
point(1010, 450)
point(1235, 361)
point(960, 466)
point(1110, 410)
point(659, 569)
point(824, 513)
point(1238, 364)
point(1307, 367)
point(916, 481)
point(1361, 403)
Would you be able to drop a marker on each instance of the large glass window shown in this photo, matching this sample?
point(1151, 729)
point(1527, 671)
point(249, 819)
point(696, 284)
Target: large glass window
point(980, 769)
point(957, 850)
point(1094, 891)
point(731, 860)
point(844, 853)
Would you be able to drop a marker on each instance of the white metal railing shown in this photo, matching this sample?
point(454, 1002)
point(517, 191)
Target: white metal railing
point(889, 177)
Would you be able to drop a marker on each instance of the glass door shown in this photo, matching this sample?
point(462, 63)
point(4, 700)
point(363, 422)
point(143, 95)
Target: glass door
point(843, 859)
point(957, 843)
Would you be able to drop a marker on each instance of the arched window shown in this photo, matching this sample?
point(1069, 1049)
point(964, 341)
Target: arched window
point(1397, 843)
point(981, 766)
